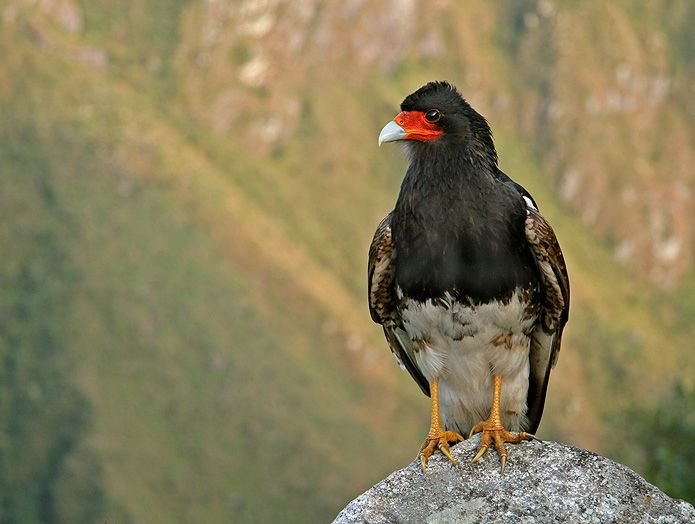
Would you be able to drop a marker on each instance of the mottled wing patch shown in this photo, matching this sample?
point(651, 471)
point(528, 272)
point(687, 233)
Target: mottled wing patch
point(383, 302)
point(551, 263)
point(554, 310)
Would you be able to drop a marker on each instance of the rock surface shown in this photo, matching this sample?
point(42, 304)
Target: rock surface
point(543, 482)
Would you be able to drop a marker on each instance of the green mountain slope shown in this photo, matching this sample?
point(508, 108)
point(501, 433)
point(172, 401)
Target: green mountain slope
point(185, 335)
point(209, 399)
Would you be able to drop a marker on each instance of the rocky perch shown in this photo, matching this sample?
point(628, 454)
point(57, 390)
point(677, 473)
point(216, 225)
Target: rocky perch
point(543, 482)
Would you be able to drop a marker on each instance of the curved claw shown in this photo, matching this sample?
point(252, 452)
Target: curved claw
point(476, 429)
point(529, 436)
point(479, 455)
point(423, 462)
point(503, 460)
point(447, 454)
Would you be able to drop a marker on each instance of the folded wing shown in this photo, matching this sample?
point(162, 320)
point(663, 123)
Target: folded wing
point(383, 300)
point(555, 302)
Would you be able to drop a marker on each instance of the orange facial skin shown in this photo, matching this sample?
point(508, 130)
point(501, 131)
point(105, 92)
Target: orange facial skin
point(416, 127)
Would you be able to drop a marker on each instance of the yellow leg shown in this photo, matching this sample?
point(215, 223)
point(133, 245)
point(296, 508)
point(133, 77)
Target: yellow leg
point(493, 430)
point(437, 438)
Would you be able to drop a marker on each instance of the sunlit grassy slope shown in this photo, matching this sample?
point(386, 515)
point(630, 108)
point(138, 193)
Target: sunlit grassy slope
point(195, 314)
point(218, 379)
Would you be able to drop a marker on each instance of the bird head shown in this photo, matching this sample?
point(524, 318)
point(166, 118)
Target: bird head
point(437, 116)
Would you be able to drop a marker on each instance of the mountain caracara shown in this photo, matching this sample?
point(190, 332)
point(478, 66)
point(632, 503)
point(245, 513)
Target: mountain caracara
point(467, 278)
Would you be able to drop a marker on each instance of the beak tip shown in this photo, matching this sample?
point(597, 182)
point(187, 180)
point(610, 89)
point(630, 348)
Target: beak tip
point(391, 133)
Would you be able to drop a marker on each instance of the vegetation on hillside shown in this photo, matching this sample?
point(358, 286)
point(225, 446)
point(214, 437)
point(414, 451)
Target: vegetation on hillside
point(47, 472)
point(660, 441)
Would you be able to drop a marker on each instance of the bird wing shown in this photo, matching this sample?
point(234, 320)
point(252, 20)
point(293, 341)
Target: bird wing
point(383, 300)
point(555, 304)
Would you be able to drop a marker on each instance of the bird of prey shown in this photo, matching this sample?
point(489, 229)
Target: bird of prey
point(467, 279)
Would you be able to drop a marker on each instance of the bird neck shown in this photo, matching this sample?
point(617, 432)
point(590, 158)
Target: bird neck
point(440, 169)
point(475, 157)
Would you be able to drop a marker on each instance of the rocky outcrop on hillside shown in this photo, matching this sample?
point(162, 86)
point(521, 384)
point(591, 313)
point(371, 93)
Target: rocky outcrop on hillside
point(543, 482)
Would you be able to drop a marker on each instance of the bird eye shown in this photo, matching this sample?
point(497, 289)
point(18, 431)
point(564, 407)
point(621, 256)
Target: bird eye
point(433, 115)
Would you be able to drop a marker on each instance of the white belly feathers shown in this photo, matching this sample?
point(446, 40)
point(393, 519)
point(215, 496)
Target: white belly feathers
point(464, 346)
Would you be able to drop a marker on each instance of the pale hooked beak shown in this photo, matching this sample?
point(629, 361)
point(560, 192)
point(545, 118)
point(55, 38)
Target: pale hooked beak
point(391, 133)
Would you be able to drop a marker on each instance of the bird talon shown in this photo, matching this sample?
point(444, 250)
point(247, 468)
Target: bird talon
point(503, 460)
point(438, 439)
point(476, 429)
point(447, 453)
point(479, 455)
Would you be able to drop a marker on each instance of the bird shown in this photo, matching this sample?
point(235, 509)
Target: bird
point(467, 279)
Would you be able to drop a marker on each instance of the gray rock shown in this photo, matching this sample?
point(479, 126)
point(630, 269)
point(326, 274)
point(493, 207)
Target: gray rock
point(543, 482)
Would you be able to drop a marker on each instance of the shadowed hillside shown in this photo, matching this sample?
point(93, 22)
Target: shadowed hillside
point(188, 194)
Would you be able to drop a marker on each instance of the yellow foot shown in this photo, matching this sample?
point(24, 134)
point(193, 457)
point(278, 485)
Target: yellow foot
point(438, 440)
point(495, 434)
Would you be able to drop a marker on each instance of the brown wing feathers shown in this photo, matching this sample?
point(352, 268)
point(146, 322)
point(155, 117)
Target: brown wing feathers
point(382, 296)
point(383, 302)
point(555, 301)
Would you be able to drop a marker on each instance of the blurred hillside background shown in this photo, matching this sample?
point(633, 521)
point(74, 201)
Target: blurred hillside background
point(187, 193)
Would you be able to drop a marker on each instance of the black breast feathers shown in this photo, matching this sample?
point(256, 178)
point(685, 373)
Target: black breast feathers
point(460, 232)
